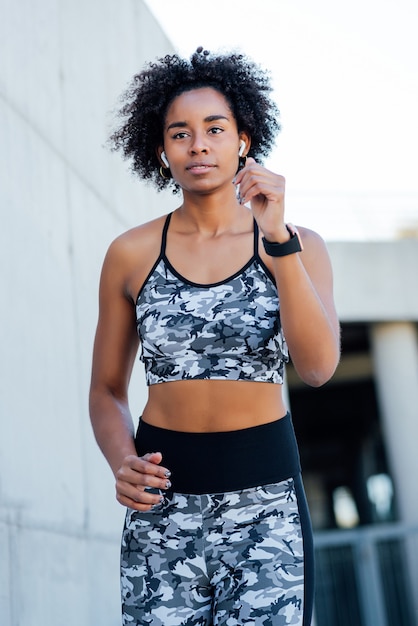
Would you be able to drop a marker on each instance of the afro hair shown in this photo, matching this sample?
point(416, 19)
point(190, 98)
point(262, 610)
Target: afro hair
point(244, 84)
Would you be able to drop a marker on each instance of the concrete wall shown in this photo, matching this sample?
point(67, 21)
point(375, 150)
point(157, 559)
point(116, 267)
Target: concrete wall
point(376, 281)
point(63, 198)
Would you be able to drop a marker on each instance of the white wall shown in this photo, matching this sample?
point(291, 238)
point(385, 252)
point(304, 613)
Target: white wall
point(63, 198)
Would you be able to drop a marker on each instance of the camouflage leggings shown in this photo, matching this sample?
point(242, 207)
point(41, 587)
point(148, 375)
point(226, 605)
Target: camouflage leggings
point(228, 559)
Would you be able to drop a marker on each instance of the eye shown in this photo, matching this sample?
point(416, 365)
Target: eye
point(180, 135)
point(215, 130)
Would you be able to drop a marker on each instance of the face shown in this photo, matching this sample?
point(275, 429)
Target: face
point(201, 140)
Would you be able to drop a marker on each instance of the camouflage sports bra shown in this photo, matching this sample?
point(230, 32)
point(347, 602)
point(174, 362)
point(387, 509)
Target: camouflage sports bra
point(228, 330)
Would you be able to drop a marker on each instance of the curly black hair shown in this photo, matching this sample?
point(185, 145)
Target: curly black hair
point(244, 84)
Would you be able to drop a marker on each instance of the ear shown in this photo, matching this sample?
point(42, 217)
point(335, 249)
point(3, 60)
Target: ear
point(244, 138)
point(161, 156)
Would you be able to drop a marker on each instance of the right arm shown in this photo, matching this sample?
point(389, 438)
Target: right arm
point(115, 349)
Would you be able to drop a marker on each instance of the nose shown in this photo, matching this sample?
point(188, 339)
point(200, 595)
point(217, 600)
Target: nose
point(198, 144)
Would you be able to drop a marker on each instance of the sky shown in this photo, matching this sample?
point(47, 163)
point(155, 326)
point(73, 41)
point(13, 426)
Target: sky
point(345, 78)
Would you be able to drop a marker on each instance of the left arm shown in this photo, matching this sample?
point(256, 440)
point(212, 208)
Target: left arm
point(304, 280)
point(307, 310)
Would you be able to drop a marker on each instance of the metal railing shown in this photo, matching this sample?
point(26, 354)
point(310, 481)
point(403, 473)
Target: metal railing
point(367, 576)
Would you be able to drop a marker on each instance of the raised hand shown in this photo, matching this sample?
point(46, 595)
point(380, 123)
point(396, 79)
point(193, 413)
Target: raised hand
point(264, 191)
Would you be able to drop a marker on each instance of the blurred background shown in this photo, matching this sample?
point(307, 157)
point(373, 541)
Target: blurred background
point(346, 82)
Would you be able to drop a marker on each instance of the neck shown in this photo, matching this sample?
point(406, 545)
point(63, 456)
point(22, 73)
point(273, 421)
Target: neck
point(211, 214)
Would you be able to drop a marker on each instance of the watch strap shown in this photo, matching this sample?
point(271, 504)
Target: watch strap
point(290, 246)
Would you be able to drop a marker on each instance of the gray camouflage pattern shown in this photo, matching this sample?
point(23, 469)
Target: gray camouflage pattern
point(229, 330)
point(230, 559)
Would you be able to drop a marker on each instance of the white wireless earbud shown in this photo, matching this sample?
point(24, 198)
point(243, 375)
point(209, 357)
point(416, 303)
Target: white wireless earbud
point(242, 147)
point(164, 159)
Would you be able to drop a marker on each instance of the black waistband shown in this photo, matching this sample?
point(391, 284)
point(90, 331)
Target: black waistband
point(224, 461)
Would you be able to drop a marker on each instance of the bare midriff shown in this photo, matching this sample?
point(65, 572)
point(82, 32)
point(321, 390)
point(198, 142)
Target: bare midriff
point(213, 405)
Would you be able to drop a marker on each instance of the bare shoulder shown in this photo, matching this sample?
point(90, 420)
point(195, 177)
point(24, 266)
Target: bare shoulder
point(317, 263)
point(314, 246)
point(136, 245)
point(138, 241)
point(315, 256)
point(310, 237)
point(132, 254)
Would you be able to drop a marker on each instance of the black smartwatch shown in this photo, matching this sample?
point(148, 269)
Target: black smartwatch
point(291, 246)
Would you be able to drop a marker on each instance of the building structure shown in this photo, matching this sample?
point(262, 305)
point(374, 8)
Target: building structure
point(357, 439)
point(63, 197)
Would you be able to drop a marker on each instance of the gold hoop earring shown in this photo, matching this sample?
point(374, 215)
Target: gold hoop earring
point(165, 172)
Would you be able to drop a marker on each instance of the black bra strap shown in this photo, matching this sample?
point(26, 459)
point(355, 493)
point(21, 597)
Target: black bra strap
point(167, 224)
point(164, 234)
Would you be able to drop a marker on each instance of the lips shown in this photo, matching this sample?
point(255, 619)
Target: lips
point(199, 167)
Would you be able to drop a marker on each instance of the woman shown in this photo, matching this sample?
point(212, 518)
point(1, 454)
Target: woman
point(217, 529)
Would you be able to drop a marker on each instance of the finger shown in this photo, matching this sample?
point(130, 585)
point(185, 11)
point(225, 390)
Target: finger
point(252, 187)
point(136, 475)
point(153, 457)
point(253, 172)
point(262, 184)
point(141, 479)
point(239, 175)
point(126, 493)
point(137, 506)
point(147, 464)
